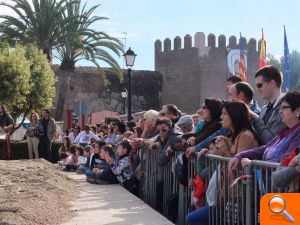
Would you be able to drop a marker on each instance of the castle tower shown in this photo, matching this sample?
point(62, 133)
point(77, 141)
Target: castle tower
point(196, 70)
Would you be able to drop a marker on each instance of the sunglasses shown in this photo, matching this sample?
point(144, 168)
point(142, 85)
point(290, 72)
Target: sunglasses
point(285, 107)
point(259, 85)
point(163, 130)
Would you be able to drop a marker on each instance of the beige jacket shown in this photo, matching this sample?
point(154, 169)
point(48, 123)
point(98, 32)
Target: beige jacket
point(244, 141)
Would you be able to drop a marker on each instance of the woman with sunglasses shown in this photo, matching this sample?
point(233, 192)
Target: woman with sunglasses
point(282, 144)
point(210, 113)
point(169, 136)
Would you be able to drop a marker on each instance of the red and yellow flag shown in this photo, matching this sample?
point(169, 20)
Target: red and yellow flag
point(262, 53)
point(243, 69)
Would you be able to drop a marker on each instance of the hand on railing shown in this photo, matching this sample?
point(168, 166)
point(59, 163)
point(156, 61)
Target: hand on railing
point(202, 152)
point(246, 162)
point(190, 152)
point(155, 146)
point(169, 151)
point(138, 142)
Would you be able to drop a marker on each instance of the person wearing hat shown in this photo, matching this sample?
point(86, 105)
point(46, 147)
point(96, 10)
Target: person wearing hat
point(186, 124)
point(46, 130)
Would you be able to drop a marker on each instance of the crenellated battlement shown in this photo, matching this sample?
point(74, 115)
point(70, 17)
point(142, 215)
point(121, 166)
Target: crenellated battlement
point(202, 42)
point(199, 65)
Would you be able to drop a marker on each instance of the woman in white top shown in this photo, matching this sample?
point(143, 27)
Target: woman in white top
point(85, 136)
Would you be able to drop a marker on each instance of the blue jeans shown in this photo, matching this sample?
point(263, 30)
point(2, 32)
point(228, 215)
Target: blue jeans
point(82, 169)
point(90, 174)
point(198, 216)
point(83, 144)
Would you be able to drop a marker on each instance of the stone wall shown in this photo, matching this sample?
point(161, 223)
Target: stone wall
point(86, 84)
point(192, 72)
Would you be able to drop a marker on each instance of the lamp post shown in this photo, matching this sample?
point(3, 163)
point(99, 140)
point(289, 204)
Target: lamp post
point(129, 60)
point(124, 96)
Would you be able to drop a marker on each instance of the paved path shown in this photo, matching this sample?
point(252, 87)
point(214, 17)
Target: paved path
point(111, 205)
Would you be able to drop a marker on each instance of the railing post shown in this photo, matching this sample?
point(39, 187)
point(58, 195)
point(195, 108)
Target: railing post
point(249, 196)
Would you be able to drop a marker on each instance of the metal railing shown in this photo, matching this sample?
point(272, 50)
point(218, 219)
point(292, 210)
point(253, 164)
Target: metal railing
point(235, 204)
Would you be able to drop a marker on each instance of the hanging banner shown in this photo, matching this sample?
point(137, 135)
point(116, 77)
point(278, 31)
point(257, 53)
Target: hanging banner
point(233, 62)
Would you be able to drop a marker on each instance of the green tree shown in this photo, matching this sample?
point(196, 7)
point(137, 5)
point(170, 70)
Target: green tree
point(28, 80)
point(272, 60)
point(295, 74)
point(42, 80)
point(85, 42)
point(62, 25)
point(15, 79)
point(38, 23)
point(295, 67)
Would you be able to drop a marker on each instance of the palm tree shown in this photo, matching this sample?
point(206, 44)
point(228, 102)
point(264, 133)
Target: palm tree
point(87, 43)
point(37, 23)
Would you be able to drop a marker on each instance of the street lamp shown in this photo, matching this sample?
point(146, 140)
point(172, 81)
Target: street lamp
point(129, 60)
point(124, 96)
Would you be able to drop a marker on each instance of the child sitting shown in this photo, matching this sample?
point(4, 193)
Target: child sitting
point(121, 168)
point(81, 160)
point(95, 161)
point(105, 174)
point(86, 152)
point(69, 163)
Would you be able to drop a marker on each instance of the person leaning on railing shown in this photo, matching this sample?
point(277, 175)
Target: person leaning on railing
point(210, 113)
point(241, 136)
point(285, 142)
point(289, 169)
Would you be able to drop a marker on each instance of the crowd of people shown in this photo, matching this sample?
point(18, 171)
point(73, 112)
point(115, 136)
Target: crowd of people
point(237, 127)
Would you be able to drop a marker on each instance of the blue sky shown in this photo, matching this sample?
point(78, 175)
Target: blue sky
point(145, 21)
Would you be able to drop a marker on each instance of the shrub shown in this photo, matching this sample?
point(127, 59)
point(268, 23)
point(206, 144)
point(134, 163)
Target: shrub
point(20, 150)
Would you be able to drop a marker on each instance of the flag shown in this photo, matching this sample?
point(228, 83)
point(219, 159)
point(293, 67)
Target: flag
point(243, 72)
point(262, 53)
point(287, 65)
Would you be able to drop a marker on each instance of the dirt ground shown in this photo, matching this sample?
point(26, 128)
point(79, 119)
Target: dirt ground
point(34, 192)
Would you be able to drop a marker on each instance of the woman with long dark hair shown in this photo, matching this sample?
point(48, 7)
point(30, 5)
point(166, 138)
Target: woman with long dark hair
point(241, 135)
point(62, 152)
point(210, 113)
point(7, 125)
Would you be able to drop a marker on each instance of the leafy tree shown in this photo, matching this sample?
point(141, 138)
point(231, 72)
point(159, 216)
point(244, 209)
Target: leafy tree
point(87, 43)
point(295, 75)
point(295, 67)
point(15, 79)
point(42, 80)
point(38, 23)
point(272, 60)
point(62, 25)
point(27, 80)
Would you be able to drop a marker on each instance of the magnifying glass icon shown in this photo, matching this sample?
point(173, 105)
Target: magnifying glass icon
point(277, 205)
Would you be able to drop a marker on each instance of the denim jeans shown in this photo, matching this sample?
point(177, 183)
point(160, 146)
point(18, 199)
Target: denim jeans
point(82, 169)
point(90, 174)
point(198, 216)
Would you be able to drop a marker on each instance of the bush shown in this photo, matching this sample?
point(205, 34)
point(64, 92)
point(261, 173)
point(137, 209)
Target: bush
point(20, 150)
